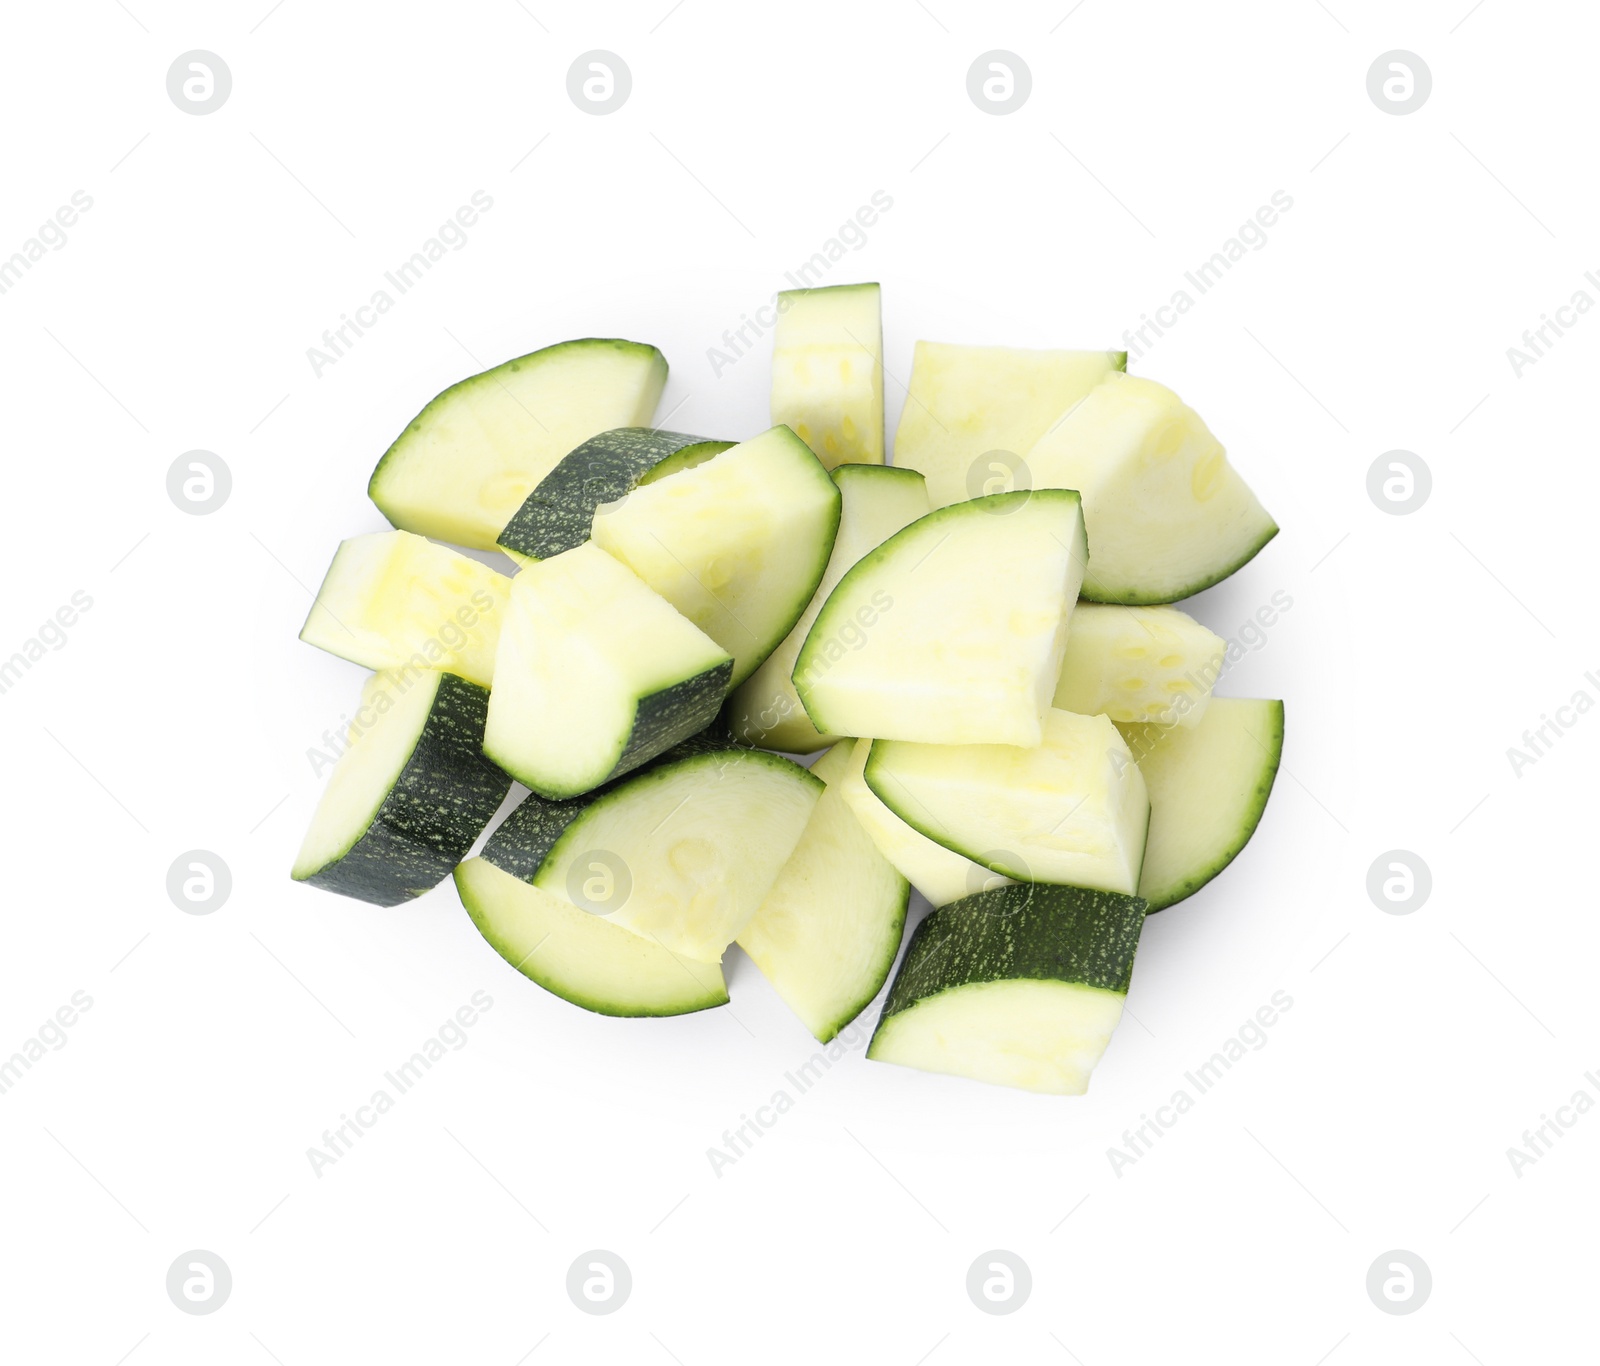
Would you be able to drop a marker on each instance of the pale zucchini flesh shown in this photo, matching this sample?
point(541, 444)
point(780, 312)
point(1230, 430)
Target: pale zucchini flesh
point(827, 371)
point(737, 544)
point(394, 600)
point(876, 502)
point(1138, 664)
point(1209, 786)
point(597, 675)
point(1021, 986)
point(578, 956)
point(466, 462)
point(952, 631)
point(940, 874)
point(827, 932)
point(972, 412)
point(1167, 514)
point(1073, 811)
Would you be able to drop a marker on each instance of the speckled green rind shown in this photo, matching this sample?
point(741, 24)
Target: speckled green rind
point(1094, 590)
point(1261, 767)
point(1020, 932)
point(523, 840)
point(673, 715)
point(559, 513)
point(438, 806)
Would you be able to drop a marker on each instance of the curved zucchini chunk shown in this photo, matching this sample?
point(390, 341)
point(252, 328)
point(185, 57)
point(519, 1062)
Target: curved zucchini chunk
point(391, 600)
point(1144, 664)
point(410, 794)
point(827, 933)
point(952, 631)
point(577, 956)
point(940, 874)
point(827, 371)
point(597, 675)
point(1072, 811)
point(877, 501)
point(737, 544)
point(559, 513)
point(466, 462)
point(682, 852)
point(1167, 514)
point(972, 411)
point(1209, 786)
point(1021, 986)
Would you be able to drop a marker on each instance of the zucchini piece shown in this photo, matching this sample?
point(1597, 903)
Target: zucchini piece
point(876, 502)
point(597, 675)
point(1021, 986)
point(828, 931)
point(827, 371)
point(577, 956)
point(410, 794)
point(1167, 514)
point(1072, 811)
point(951, 632)
point(466, 462)
point(965, 402)
point(737, 544)
point(1209, 785)
point(392, 600)
point(559, 513)
point(683, 852)
point(940, 874)
point(1153, 664)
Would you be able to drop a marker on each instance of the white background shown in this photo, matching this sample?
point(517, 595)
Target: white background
point(179, 712)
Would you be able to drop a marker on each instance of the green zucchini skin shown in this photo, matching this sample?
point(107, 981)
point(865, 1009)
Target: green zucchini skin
point(559, 513)
point(446, 793)
point(673, 715)
point(1018, 932)
point(522, 841)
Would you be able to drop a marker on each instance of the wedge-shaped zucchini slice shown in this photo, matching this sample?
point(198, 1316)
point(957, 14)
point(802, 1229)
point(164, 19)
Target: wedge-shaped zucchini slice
point(578, 956)
point(878, 500)
point(972, 412)
point(683, 852)
point(1167, 514)
point(1021, 986)
point(827, 371)
point(828, 931)
point(466, 462)
point(392, 600)
point(1209, 785)
point(737, 544)
point(951, 632)
point(940, 874)
point(1145, 664)
point(1072, 811)
point(409, 795)
point(597, 675)
point(559, 513)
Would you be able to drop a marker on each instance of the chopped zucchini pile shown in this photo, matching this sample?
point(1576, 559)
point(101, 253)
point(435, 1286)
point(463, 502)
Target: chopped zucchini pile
point(975, 628)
